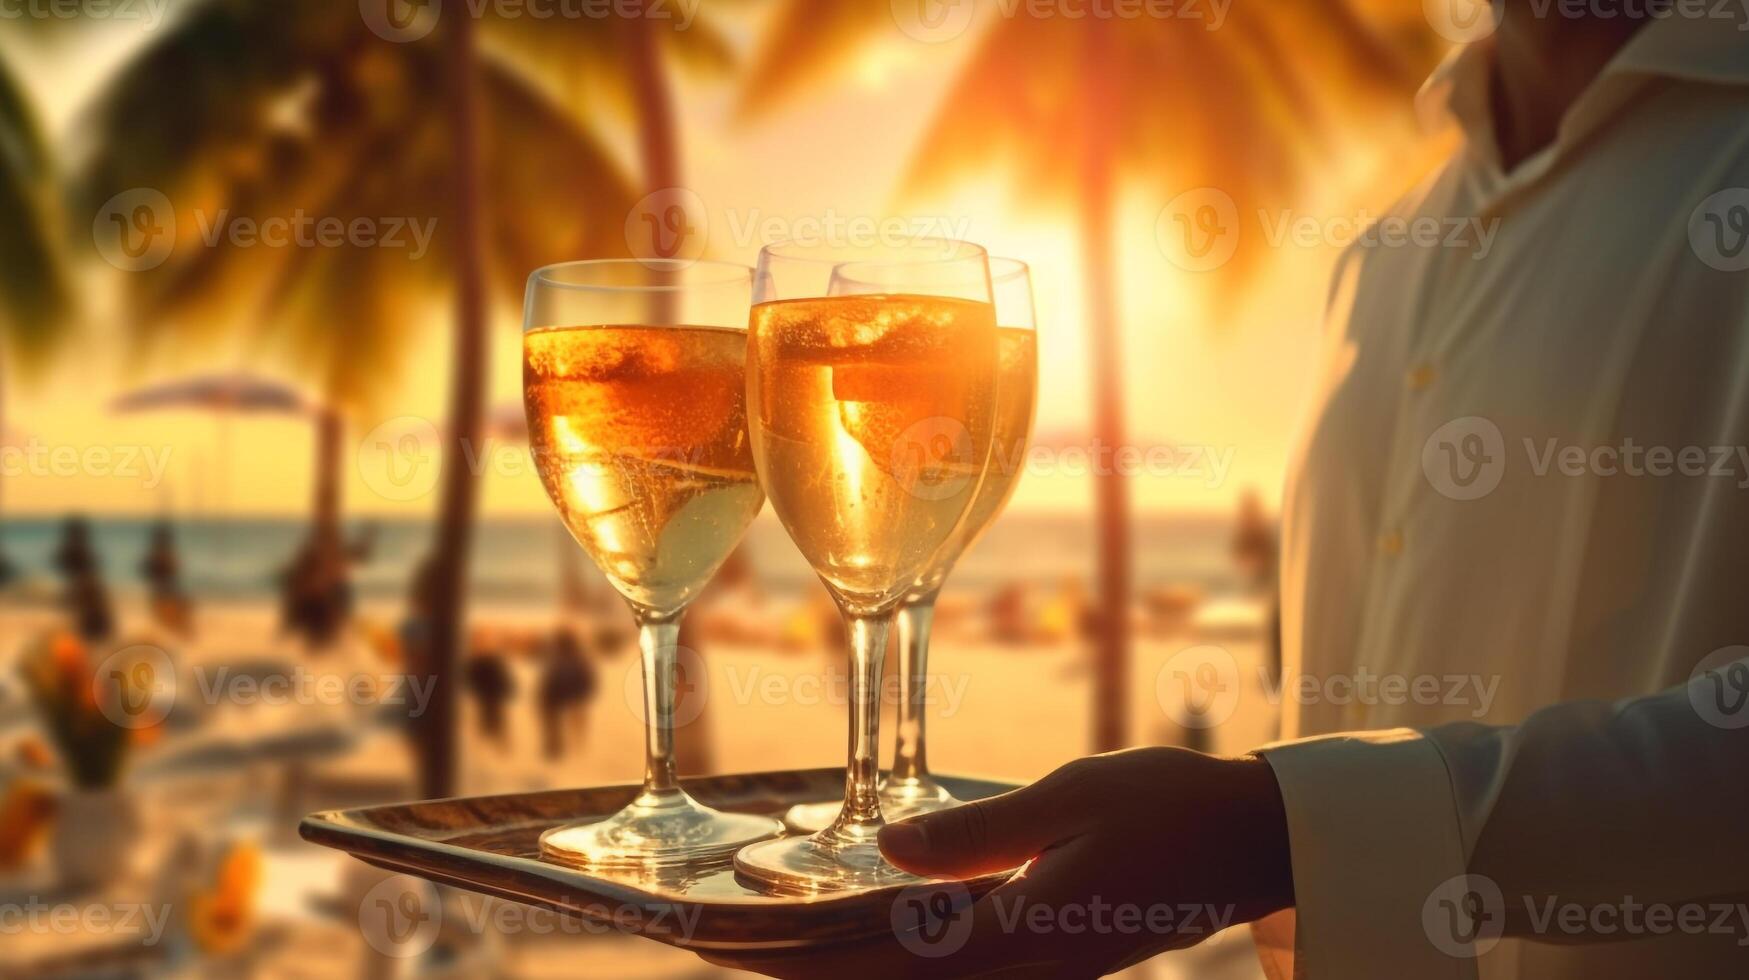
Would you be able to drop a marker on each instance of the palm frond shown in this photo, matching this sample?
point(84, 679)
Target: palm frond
point(1251, 109)
point(805, 42)
point(35, 295)
point(348, 131)
point(582, 60)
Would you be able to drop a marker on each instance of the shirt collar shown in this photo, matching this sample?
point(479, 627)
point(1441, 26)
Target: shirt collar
point(1689, 49)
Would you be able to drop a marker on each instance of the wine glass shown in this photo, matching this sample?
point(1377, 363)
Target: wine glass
point(909, 789)
point(636, 396)
point(871, 394)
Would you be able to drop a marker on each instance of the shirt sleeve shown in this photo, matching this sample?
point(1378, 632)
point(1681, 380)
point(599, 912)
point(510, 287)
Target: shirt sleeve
point(1374, 830)
point(1414, 851)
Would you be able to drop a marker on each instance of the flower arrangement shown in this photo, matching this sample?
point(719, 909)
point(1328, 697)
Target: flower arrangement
point(84, 714)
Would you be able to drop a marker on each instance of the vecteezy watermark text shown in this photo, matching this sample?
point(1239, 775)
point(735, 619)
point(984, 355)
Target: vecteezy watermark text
point(1466, 916)
point(147, 12)
point(404, 21)
point(402, 917)
point(1466, 458)
point(939, 21)
point(39, 459)
point(138, 686)
point(934, 920)
point(1200, 230)
point(137, 230)
point(33, 916)
point(1202, 686)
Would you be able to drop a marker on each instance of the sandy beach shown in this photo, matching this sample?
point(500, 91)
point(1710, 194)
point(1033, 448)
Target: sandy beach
point(759, 710)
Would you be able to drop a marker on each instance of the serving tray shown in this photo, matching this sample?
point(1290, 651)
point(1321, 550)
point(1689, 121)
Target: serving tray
point(491, 845)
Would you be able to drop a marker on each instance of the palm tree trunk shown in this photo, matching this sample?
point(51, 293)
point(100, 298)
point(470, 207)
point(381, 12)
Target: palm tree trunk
point(5, 566)
point(658, 136)
point(325, 507)
point(1111, 492)
point(460, 496)
point(659, 156)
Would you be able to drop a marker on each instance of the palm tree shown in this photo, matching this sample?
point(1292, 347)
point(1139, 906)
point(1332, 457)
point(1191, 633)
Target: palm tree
point(1080, 108)
point(261, 108)
point(34, 292)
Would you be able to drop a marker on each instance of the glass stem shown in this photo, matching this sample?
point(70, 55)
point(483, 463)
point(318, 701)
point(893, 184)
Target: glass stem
point(861, 817)
point(910, 761)
point(658, 640)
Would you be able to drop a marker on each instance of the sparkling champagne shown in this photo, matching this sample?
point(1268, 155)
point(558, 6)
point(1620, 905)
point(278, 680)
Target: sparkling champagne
point(640, 436)
point(872, 418)
point(1016, 392)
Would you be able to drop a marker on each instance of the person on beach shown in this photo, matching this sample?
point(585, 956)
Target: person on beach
point(1488, 517)
point(85, 598)
point(492, 686)
point(1256, 552)
point(567, 686)
point(162, 570)
point(317, 598)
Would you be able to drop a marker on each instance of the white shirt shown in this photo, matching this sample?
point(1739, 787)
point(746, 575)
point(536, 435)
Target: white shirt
point(1523, 486)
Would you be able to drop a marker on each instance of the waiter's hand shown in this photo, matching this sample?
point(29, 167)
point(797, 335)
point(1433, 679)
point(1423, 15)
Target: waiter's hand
point(1131, 853)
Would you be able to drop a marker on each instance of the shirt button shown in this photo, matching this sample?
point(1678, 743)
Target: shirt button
point(1391, 544)
point(1422, 377)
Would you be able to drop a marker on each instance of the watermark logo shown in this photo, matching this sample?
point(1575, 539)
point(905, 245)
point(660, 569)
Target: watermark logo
point(689, 681)
point(135, 687)
point(670, 224)
point(41, 460)
point(148, 12)
point(938, 21)
point(1198, 231)
point(398, 459)
point(1718, 230)
point(1465, 458)
point(401, 916)
point(400, 21)
point(1202, 687)
point(1465, 916)
point(1198, 687)
point(138, 686)
point(135, 230)
point(932, 920)
point(1719, 688)
point(944, 693)
point(1462, 21)
point(753, 228)
point(932, 458)
point(933, 21)
point(140, 924)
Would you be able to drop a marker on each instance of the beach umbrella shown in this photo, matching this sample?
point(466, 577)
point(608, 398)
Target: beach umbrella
point(235, 392)
point(224, 394)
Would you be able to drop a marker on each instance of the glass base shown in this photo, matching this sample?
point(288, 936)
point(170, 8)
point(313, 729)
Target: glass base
point(657, 830)
point(809, 818)
point(825, 862)
point(898, 801)
point(910, 797)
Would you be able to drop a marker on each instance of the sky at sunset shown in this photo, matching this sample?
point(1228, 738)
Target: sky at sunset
point(1229, 391)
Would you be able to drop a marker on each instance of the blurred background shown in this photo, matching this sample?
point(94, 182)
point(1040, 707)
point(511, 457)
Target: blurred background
point(264, 466)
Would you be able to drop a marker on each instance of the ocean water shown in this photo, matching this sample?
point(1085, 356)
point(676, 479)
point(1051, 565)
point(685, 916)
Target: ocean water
point(517, 559)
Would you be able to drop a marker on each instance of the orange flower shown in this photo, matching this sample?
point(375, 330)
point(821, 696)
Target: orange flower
point(220, 920)
point(25, 813)
point(33, 754)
